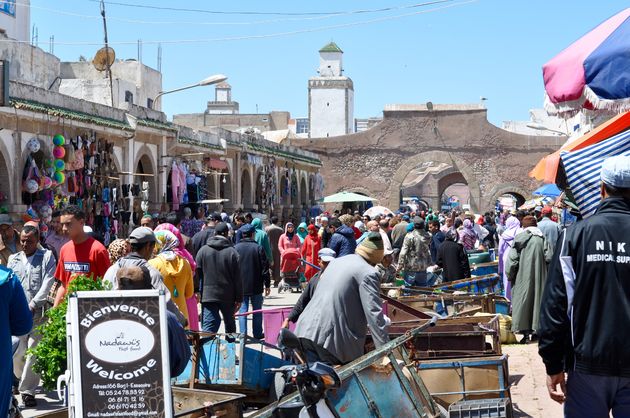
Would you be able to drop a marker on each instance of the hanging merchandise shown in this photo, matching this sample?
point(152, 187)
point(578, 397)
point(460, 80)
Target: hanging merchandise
point(33, 145)
point(31, 186)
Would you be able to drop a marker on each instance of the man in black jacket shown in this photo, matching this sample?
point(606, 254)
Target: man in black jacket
point(201, 238)
point(437, 238)
point(254, 274)
point(219, 278)
point(585, 310)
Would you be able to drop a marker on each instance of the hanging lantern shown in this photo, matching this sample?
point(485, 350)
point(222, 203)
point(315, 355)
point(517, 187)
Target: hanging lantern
point(33, 145)
point(59, 140)
point(59, 152)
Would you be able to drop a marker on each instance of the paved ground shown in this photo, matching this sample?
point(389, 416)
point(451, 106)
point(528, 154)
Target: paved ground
point(527, 376)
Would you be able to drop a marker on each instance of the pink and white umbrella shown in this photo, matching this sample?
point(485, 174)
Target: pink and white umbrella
point(593, 72)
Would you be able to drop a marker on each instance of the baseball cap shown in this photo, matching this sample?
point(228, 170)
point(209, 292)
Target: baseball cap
point(247, 229)
point(221, 228)
point(214, 216)
point(326, 254)
point(616, 172)
point(546, 210)
point(5, 219)
point(538, 209)
point(141, 235)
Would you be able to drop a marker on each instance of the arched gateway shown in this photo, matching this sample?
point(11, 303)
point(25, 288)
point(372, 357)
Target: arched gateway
point(415, 148)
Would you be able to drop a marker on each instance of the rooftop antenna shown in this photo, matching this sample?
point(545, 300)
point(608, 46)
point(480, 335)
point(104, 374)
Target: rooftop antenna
point(52, 44)
point(140, 51)
point(35, 36)
point(159, 58)
point(108, 52)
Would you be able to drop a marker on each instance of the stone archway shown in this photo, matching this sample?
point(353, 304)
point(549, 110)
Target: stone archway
point(225, 187)
point(502, 189)
point(246, 189)
point(6, 191)
point(458, 165)
point(294, 191)
point(304, 192)
point(145, 171)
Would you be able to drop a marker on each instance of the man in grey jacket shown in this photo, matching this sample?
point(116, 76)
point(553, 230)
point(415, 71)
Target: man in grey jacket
point(35, 267)
point(142, 241)
point(346, 303)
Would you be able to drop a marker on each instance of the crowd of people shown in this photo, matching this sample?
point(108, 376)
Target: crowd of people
point(216, 268)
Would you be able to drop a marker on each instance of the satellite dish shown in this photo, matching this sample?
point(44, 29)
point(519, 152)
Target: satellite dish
point(104, 58)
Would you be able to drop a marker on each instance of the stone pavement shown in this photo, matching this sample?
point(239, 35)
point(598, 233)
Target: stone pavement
point(528, 379)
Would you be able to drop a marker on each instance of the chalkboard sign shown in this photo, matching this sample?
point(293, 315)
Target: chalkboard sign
point(119, 353)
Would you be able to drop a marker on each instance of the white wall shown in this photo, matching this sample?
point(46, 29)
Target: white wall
point(30, 65)
point(222, 95)
point(98, 91)
point(144, 82)
point(18, 26)
point(330, 64)
point(328, 112)
point(350, 120)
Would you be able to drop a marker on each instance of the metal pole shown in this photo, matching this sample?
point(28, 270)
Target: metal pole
point(109, 67)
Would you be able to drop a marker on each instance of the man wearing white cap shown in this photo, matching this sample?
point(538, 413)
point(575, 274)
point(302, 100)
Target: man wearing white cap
point(585, 306)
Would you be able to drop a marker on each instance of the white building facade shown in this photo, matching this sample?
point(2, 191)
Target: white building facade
point(330, 96)
point(15, 19)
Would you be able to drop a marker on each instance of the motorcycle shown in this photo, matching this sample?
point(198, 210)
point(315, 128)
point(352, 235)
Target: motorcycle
point(312, 381)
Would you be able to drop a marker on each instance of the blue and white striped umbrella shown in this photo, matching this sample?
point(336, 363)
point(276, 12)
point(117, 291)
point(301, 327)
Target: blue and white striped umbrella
point(583, 169)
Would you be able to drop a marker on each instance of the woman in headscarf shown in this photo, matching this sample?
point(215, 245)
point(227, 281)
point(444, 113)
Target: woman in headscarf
point(302, 232)
point(178, 264)
point(289, 239)
point(117, 249)
point(506, 241)
point(526, 268)
point(452, 258)
point(468, 237)
point(310, 249)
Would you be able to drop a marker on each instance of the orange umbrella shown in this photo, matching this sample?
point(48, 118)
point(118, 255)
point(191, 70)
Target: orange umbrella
point(547, 168)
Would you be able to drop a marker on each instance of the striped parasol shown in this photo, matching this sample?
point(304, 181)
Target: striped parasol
point(583, 167)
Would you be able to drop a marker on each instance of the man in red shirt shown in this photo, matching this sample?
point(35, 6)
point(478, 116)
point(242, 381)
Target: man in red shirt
point(81, 255)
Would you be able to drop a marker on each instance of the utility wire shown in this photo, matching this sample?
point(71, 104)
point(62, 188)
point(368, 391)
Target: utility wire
point(222, 23)
point(262, 36)
point(236, 12)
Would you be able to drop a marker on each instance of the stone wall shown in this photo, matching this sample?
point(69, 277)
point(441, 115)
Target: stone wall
point(491, 160)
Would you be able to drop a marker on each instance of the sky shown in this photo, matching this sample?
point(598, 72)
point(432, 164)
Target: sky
point(444, 52)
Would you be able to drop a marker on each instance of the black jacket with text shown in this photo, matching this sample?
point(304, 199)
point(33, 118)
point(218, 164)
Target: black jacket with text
point(585, 308)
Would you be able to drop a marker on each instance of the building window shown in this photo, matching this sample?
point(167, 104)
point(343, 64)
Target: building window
point(150, 103)
point(301, 126)
point(128, 97)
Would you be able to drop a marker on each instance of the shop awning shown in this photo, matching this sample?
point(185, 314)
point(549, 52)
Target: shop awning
point(217, 164)
point(547, 167)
